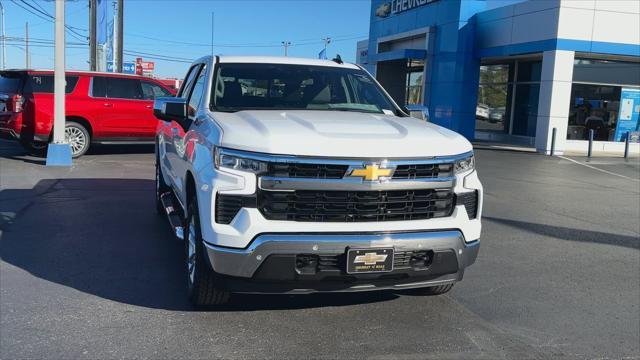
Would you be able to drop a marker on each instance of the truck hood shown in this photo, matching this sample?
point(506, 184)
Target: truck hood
point(336, 134)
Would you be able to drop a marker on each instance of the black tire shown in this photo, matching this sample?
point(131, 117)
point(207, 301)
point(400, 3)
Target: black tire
point(35, 148)
point(161, 187)
point(203, 291)
point(432, 290)
point(78, 137)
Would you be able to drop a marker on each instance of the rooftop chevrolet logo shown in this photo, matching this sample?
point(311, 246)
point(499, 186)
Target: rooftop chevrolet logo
point(371, 172)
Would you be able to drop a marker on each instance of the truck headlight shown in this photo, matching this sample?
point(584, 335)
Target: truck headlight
point(225, 160)
point(464, 165)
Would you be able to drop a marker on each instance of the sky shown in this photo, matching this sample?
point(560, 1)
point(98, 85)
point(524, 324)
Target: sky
point(182, 29)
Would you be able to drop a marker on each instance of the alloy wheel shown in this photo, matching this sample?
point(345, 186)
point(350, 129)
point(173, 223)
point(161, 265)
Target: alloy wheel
point(76, 138)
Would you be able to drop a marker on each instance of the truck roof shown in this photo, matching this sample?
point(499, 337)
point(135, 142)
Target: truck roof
point(72, 72)
point(284, 60)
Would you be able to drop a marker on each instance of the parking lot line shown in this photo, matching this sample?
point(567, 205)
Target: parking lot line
point(598, 169)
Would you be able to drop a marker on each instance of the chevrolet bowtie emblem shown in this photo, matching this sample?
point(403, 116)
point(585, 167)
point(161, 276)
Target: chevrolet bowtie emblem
point(371, 172)
point(370, 258)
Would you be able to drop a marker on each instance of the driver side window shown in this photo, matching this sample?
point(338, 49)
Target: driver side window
point(196, 93)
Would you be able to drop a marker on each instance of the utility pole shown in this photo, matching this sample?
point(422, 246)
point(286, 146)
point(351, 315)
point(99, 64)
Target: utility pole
point(114, 51)
point(93, 9)
point(26, 51)
point(59, 151)
point(286, 45)
point(120, 36)
point(3, 37)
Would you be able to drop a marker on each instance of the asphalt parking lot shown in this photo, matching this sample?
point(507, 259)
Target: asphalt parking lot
point(88, 270)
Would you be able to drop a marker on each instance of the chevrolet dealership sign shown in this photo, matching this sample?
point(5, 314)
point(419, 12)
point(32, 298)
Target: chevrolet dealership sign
point(399, 6)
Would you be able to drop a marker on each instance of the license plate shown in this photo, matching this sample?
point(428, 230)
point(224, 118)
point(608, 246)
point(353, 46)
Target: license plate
point(369, 260)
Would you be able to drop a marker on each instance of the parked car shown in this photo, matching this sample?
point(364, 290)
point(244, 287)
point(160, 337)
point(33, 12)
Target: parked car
point(482, 111)
point(318, 183)
point(496, 114)
point(100, 108)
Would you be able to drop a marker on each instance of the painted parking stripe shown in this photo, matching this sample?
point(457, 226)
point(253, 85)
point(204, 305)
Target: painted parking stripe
point(598, 169)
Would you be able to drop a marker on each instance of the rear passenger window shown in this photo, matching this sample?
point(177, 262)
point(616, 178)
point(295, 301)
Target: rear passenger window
point(45, 84)
point(124, 88)
point(99, 87)
point(152, 91)
point(117, 88)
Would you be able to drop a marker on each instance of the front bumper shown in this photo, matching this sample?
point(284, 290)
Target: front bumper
point(268, 264)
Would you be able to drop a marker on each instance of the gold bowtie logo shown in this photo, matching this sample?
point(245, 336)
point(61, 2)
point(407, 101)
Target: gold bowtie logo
point(370, 258)
point(371, 172)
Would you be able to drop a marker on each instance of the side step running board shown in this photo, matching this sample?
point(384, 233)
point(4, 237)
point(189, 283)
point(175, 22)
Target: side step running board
point(174, 214)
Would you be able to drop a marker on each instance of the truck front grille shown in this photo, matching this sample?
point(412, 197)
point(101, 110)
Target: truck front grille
point(423, 171)
point(310, 171)
point(330, 171)
point(355, 206)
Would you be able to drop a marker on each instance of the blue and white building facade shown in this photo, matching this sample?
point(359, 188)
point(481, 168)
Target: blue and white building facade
point(511, 70)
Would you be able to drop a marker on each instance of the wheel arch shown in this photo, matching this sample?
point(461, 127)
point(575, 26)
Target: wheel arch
point(82, 121)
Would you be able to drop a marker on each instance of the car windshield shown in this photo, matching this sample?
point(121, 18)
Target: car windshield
point(286, 87)
point(11, 83)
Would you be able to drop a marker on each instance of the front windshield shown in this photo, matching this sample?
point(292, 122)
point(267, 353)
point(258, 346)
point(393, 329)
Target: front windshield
point(289, 87)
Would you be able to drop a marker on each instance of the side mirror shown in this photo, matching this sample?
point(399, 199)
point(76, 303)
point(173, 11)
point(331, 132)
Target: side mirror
point(170, 109)
point(418, 111)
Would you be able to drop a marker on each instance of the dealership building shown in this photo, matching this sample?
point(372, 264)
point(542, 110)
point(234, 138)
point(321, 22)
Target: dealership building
point(514, 71)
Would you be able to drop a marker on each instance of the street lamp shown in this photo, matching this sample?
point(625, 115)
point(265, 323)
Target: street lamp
point(286, 45)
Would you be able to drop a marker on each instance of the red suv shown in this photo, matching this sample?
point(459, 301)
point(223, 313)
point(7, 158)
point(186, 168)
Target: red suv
point(102, 108)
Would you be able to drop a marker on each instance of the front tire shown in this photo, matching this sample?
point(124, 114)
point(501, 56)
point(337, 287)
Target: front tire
point(432, 290)
point(201, 278)
point(161, 187)
point(78, 138)
point(35, 148)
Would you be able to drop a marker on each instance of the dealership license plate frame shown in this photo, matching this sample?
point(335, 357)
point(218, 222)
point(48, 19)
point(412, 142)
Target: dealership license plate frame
point(387, 263)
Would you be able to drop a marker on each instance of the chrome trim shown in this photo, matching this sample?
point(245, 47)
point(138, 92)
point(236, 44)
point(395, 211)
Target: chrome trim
point(356, 161)
point(244, 262)
point(346, 184)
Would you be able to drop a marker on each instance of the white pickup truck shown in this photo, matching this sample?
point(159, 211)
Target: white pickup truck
point(286, 175)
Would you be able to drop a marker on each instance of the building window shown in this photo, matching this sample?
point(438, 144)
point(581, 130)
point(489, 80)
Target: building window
point(508, 97)
point(601, 91)
point(494, 98)
point(415, 81)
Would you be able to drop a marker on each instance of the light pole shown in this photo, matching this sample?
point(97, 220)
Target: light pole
point(59, 151)
point(286, 45)
point(326, 40)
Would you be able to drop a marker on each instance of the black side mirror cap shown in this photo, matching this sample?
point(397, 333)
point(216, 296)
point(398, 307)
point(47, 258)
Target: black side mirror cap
point(170, 109)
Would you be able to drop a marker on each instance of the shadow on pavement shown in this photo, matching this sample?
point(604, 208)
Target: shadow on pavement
point(104, 238)
point(13, 151)
point(566, 233)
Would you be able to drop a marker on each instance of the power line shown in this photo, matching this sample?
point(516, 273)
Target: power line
point(74, 45)
point(45, 16)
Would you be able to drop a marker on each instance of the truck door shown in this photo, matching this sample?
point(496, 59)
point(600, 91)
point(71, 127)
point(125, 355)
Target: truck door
point(173, 137)
point(123, 108)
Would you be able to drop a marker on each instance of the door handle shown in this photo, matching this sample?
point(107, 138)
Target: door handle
point(148, 106)
point(107, 105)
